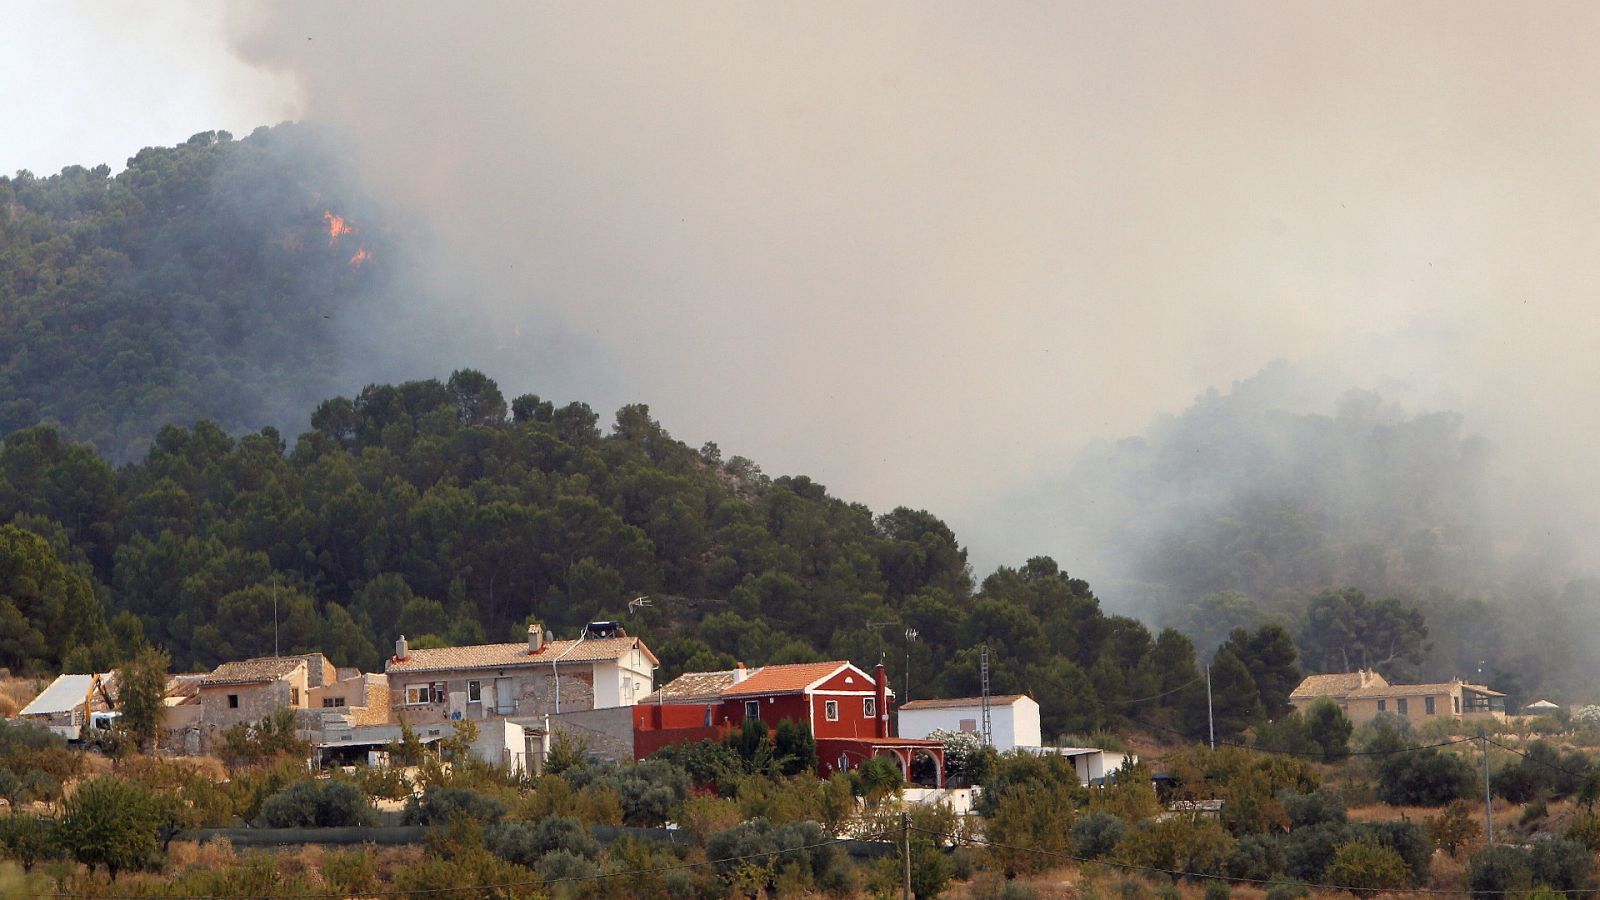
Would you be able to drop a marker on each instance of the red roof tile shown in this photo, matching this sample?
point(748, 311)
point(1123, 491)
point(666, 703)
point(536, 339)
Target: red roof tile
point(785, 679)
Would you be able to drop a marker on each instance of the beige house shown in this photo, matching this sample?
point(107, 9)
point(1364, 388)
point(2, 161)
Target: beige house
point(250, 690)
point(1364, 694)
point(601, 669)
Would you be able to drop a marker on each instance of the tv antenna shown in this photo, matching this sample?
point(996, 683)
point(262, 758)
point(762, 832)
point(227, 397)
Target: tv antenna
point(638, 603)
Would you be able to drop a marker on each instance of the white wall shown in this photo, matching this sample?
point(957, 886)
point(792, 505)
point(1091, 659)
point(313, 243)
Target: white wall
point(1014, 725)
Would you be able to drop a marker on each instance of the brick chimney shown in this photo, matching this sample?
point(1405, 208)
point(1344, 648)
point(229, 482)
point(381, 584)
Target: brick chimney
point(880, 728)
point(535, 638)
point(402, 650)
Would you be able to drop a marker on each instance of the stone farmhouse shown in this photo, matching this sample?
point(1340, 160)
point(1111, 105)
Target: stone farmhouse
point(1364, 694)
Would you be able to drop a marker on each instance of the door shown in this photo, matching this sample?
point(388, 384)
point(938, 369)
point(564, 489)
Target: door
point(504, 701)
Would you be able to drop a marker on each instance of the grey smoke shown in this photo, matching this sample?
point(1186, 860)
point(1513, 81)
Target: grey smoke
point(927, 252)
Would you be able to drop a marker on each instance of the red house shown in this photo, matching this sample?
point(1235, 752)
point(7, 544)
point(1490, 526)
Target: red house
point(846, 709)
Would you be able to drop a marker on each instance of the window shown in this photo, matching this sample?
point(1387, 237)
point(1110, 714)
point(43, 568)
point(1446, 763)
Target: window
point(332, 701)
point(970, 726)
point(233, 701)
point(294, 696)
point(438, 691)
point(752, 709)
point(830, 710)
point(1456, 702)
point(1400, 706)
point(869, 707)
point(417, 694)
point(1427, 705)
point(474, 692)
point(1383, 705)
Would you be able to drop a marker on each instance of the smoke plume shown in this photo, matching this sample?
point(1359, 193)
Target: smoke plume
point(926, 252)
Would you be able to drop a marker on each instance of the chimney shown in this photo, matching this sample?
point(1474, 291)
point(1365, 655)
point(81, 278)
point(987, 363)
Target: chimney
point(535, 638)
point(880, 728)
point(740, 673)
point(402, 650)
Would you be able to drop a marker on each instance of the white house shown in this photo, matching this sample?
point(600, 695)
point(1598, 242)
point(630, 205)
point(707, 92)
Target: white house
point(1013, 719)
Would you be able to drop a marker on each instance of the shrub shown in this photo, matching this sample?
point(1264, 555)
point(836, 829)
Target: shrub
point(1407, 839)
point(1585, 829)
point(1308, 851)
point(317, 804)
point(1256, 857)
point(1330, 728)
point(1315, 808)
point(27, 839)
point(564, 865)
point(1498, 871)
point(1563, 865)
point(1287, 890)
point(112, 822)
point(525, 843)
point(1096, 834)
point(1217, 890)
point(1455, 827)
point(1426, 777)
point(930, 868)
point(1533, 812)
point(1365, 868)
point(439, 805)
point(1179, 844)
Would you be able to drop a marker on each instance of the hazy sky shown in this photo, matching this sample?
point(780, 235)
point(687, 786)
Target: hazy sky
point(924, 251)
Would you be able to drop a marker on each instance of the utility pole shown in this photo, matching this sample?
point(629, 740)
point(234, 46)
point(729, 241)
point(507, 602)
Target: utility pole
point(911, 635)
point(1211, 722)
point(275, 620)
point(1488, 796)
point(983, 676)
point(905, 865)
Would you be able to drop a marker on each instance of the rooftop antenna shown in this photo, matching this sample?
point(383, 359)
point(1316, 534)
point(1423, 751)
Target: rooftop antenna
point(275, 620)
point(638, 603)
point(983, 673)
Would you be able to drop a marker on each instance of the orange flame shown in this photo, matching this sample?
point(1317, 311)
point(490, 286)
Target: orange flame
point(361, 256)
point(337, 226)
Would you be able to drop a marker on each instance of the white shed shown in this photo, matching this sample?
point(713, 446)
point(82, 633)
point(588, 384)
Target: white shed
point(1013, 719)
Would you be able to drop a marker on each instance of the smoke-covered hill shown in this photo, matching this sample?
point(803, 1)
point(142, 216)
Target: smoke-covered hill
point(218, 279)
point(1252, 501)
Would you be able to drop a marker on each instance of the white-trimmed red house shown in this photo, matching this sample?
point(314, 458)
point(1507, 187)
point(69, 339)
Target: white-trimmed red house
point(846, 709)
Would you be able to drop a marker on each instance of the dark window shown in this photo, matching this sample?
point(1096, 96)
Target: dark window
point(233, 701)
point(474, 691)
point(294, 696)
point(332, 701)
point(752, 709)
point(869, 707)
point(1383, 705)
point(1456, 702)
point(1427, 705)
point(1400, 706)
point(830, 709)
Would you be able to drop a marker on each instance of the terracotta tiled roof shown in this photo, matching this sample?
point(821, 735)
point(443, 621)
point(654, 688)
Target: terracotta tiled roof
point(698, 686)
point(251, 671)
point(1417, 690)
point(486, 656)
point(961, 702)
point(787, 679)
point(1336, 685)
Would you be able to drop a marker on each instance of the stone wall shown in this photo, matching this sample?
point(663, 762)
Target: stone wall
point(606, 733)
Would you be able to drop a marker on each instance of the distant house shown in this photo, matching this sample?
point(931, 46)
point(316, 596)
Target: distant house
point(1364, 694)
point(846, 709)
point(1013, 719)
point(64, 705)
point(602, 668)
point(247, 691)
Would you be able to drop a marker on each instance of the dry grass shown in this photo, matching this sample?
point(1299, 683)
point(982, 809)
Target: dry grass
point(15, 693)
point(216, 853)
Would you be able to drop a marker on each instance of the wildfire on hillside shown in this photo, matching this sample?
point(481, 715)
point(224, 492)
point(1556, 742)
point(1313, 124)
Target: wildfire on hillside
point(337, 226)
point(361, 256)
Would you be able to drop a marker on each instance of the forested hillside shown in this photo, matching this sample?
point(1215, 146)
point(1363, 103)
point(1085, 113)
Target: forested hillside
point(440, 511)
point(207, 280)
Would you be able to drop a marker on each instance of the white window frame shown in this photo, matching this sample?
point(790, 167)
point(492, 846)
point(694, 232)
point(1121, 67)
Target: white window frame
point(752, 710)
point(869, 707)
point(419, 694)
point(830, 710)
point(474, 692)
